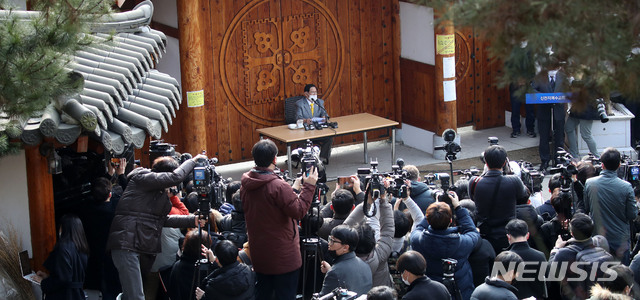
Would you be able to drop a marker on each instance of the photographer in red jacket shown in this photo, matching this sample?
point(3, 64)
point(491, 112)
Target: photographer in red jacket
point(271, 210)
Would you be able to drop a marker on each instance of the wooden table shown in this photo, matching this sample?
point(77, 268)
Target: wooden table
point(346, 125)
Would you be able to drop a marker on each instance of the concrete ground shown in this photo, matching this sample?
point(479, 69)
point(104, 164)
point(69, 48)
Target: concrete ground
point(345, 160)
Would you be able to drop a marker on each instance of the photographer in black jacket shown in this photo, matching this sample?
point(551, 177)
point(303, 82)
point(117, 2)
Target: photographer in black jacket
point(134, 238)
point(495, 196)
point(233, 280)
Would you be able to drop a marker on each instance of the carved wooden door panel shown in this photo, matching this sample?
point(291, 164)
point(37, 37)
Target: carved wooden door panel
point(303, 44)
point(250, 61)
point(284, 45)
point(465, 77)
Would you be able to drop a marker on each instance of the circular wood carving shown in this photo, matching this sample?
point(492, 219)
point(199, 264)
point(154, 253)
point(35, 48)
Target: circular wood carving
point(463, 57)
point(276, 54)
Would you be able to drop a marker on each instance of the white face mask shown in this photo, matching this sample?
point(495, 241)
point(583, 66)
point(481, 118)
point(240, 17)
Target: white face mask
point(313, 97)
point(404, 280)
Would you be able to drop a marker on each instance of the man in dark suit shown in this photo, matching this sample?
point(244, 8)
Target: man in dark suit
point(518, 234)
point(554, 82)
point(311, 107)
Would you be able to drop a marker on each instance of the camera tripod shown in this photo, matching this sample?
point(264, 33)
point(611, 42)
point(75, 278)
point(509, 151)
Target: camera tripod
point(196, 278)
point(448, 278)
point(310, 244)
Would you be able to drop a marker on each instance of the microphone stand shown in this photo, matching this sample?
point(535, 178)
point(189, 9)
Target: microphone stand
point(321, 106)
point(332, 125)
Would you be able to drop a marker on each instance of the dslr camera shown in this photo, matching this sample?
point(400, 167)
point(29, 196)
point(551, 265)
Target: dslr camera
point(159, 148)
point(397, 187)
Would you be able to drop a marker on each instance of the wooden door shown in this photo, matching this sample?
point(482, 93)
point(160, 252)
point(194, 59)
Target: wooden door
point(465, 77)
point(491, 100)
point(480, 102)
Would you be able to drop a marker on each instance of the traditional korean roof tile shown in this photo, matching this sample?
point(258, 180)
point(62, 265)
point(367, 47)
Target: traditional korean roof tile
point(124, 98)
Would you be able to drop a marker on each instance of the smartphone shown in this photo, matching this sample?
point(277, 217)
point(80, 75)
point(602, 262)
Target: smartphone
point(344, 181)
point(308, 165)
point(115, 161)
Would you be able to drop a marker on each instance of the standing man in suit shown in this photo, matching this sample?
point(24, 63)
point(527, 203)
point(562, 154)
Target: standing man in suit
point(312, 107)
point(552, 83)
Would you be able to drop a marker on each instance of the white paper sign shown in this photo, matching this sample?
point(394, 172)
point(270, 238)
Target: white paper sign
point(448, 67)
point(449, 89)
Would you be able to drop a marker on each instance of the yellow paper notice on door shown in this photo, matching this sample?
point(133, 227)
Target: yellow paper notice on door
point(195, 98)
point(445, 44)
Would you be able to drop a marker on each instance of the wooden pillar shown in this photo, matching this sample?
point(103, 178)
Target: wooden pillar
point(42, 215)
point(397, 52)
point(446, 115)
point(192, 22)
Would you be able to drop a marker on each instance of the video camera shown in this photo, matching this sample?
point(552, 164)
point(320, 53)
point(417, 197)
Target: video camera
point(309, 157)
point(629, 170)
point(530, 176)
point(595, 161)
point(566, 170)
point(209, 186)
point(396, 179)
point(564, 167)
point(468, 173)
point(397, 187)
point(373, 179)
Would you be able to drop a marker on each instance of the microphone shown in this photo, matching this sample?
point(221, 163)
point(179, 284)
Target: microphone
point(321, 106)
point(333, 125)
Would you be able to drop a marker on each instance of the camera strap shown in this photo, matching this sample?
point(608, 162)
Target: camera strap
point(495, 191)
point(472, 188)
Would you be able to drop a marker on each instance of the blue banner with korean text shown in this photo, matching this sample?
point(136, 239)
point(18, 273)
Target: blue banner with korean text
point(543, 98)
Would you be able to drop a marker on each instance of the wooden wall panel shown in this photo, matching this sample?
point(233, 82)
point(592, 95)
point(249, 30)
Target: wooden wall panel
point(418, 94)
point(479, 101)
point(260, 52)
point(41, 207)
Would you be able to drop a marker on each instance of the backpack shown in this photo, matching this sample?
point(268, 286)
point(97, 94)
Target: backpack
point(593, 257)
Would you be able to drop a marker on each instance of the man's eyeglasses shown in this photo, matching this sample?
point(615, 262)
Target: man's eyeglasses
point(332, 240)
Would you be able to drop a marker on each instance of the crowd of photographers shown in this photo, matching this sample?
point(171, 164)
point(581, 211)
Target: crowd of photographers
point(377, 236)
